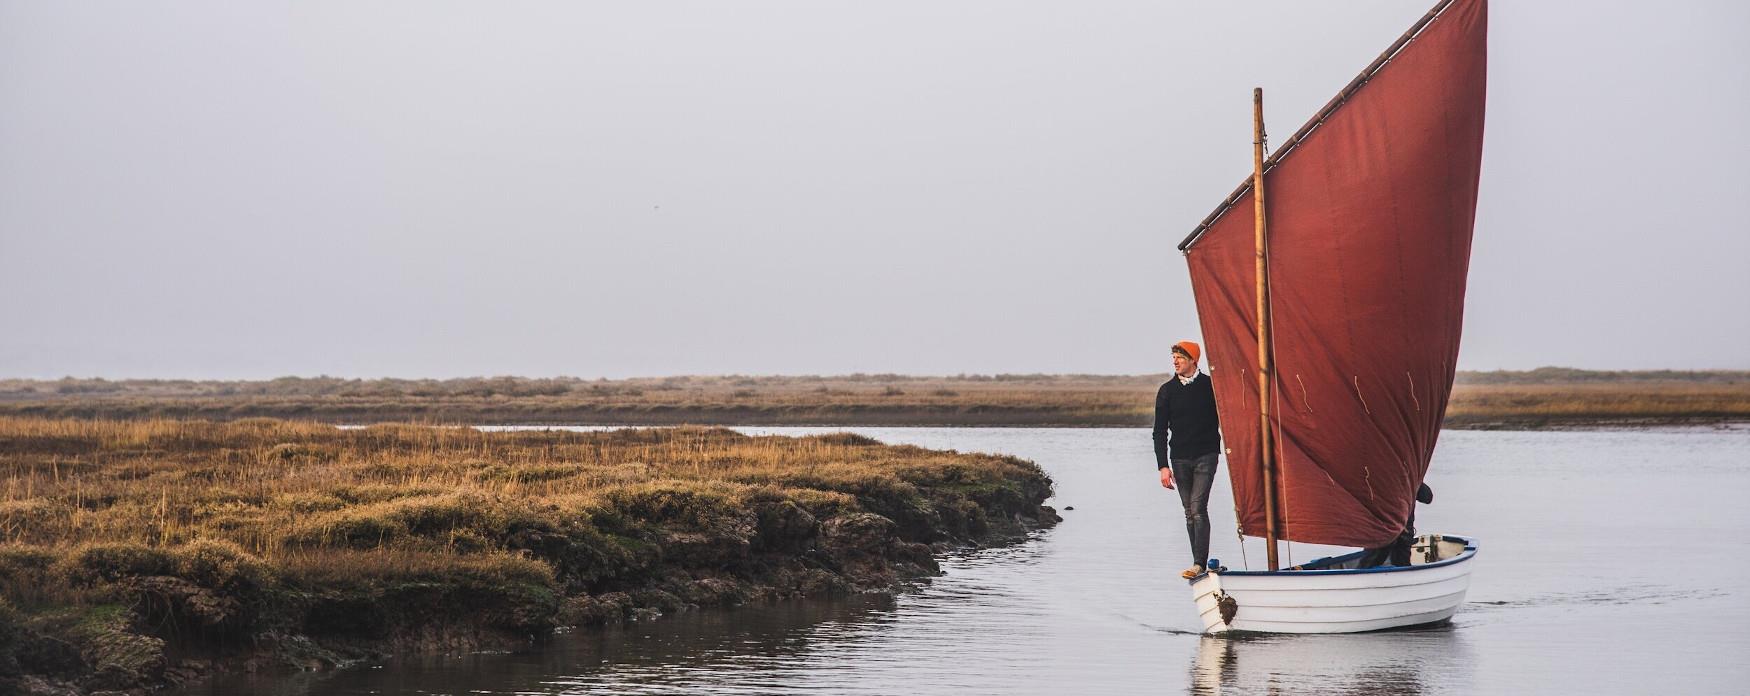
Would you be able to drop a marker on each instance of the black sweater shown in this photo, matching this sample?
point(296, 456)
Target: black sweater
point(1187, 413)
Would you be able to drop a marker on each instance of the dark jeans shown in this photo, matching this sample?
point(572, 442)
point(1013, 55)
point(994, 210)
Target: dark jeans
point(1193, 477)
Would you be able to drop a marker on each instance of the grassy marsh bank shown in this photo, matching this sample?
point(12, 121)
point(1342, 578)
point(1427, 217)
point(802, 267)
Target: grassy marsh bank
point(143, 552)
point(1546, 397)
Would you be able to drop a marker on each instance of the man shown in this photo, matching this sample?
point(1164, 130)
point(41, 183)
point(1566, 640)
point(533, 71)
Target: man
point(1187, 443)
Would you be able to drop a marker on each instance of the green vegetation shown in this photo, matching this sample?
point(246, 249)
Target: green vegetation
point(1547, 396)
point(132, 552)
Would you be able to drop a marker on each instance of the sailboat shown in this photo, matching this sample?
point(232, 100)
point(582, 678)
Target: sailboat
point(1331, 318)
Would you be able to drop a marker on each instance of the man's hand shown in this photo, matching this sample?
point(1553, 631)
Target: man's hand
point(1167, 477)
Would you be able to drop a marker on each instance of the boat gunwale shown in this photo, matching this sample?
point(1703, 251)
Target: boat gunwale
point(1419, 581)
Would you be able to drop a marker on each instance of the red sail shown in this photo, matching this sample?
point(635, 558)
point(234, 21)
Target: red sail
point(1370, 231)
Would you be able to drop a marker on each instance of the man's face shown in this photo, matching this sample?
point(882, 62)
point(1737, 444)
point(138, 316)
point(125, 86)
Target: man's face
point(1183, 366)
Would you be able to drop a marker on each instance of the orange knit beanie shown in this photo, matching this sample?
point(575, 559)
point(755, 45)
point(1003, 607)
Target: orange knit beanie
point(1189, 349)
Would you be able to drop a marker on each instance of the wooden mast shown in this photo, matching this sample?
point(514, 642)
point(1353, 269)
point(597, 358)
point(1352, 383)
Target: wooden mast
point(1266, 449)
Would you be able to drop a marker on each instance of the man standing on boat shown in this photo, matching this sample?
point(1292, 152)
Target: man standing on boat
point(1187, 444)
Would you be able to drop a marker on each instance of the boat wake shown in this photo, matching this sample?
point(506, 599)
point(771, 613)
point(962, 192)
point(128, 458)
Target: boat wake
point(1622, 596)
point(1153, 628)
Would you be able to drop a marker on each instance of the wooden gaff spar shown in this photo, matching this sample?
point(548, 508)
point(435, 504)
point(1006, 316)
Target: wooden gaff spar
point(1334, 327)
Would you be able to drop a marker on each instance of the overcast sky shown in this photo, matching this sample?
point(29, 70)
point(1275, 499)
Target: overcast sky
point(420, 189)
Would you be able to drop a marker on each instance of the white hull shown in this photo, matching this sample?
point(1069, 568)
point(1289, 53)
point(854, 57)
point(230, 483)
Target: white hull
point(1337, 600)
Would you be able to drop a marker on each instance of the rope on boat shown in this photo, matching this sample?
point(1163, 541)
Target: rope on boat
point(1281, 477)
point(1241, 533)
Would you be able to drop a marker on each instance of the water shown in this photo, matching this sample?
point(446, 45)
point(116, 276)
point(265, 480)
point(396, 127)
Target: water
point(1610, 562)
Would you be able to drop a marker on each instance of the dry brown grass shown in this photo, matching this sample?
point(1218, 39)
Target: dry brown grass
point(1523, 398)
point(278, 487)
point(204, 534)
point(855, 399)
point(1582, 403)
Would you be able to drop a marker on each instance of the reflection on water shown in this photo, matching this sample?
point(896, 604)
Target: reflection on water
point(741, 650)
point(1406, 663)
point(1583, 576)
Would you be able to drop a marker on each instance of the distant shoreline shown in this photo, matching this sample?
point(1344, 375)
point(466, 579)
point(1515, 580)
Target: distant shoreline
point(1543, 399)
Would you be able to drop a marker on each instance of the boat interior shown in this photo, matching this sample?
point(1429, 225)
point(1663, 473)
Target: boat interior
point(1428, 548)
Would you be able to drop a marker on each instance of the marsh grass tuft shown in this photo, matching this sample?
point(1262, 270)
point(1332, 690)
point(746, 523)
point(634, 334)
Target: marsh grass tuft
point(207, 531)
